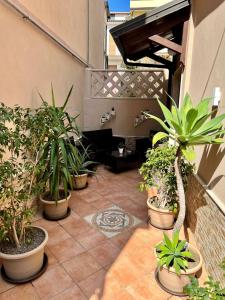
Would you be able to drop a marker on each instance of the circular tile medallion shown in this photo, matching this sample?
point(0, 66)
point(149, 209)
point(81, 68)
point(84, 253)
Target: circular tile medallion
point(112, 220)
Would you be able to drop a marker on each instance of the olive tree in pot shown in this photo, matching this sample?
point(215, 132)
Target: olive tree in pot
point(21, 245)
point(159, 175)
point(54, 138)
point(79, 166)
point(188, 126)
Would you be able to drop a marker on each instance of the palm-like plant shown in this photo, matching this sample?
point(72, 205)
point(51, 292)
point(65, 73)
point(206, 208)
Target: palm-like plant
point(52, 127)
point(188, 126)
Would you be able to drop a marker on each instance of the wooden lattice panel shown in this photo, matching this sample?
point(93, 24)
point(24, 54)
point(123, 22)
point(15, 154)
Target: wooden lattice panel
point(127, 84)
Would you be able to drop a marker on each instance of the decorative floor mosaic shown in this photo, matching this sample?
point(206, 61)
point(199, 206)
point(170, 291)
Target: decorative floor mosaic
point(112, 221)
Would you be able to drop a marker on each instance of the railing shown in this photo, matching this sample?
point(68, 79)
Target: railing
point(126, 84)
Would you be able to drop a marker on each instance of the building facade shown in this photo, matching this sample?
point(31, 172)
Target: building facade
point(65, 40)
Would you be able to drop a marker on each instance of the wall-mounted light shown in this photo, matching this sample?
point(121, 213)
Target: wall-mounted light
point(139, 119)
point(216, 96)
point(108, 116)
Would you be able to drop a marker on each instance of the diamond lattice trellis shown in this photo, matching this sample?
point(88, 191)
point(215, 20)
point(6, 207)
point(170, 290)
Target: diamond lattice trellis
point(127, 84)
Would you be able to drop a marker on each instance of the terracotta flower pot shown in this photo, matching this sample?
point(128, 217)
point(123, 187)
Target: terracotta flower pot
point(160, 218)
point(55, 210)
point(175, 283)
point(80, 181)
point(23, 266)
point(152, 192)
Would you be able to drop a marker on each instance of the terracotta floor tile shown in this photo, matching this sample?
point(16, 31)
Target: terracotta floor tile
point(102, 203)
point(4, 286)
point(90, 196)
point(23, 292)
point(66, 249)
point(121, 239)
point(81, 266)
point(77, 228)
point(74, 293)
point(91, 238)
point(52, 282)
point(82, 208)
point(56, 235)
point(52, 261)
point(93, 283)
point(72, 216)
point(105, 253)
point(48, 225)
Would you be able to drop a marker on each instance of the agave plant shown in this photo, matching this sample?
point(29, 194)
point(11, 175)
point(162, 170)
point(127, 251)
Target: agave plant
point(188, 126)
point(173, 253)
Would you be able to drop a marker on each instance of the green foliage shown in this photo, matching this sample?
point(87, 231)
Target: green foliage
point(190, 125)
point(158, 170)
point(79, 161)
point(173, 253)
point(211, 290)
point(52, 126)
point(18, 169)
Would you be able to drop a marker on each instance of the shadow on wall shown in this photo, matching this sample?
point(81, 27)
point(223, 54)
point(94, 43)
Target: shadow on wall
point(202, 8)
point(211, 158)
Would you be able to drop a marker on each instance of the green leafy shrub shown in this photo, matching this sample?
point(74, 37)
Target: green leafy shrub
point(211, 290)
point(158, 170)
point(18, 168)
point(173, 253)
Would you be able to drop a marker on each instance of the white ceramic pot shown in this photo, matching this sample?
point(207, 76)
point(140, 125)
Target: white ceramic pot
point(120, 150)
point(23, 266)
point(160, 218)
point(175, 283)
point(80, 181)
point(55, 210)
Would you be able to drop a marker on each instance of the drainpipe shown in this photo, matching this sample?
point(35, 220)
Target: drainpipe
point(44, 29)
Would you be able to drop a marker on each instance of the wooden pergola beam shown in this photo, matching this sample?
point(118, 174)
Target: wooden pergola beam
point(166, 43)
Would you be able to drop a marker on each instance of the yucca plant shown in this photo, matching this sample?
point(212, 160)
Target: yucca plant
point(79, 160)
point(53, 126)
point(188, 126)
point(173, 253)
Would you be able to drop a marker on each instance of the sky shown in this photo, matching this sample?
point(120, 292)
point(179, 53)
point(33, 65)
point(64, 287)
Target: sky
point(119, 5)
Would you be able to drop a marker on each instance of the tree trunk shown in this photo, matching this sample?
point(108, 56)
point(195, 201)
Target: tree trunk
point(181, 194)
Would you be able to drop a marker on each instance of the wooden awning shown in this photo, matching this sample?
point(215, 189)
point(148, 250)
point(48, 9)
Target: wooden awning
point(162, 27)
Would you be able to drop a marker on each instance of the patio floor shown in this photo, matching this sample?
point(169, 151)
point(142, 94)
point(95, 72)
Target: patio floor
point(98, 259)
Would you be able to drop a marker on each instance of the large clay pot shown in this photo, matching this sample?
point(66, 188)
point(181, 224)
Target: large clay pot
point(174, 283)
point(55, 210)
point(160, 218)
point(22, 266)
point(80, 181)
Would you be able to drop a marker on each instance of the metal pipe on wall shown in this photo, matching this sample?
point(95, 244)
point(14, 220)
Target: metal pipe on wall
point(19, 8)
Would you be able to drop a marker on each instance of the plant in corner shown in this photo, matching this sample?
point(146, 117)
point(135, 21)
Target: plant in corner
point(177, 260)
point(79, 166)
point(211, 290)
point(21, 245)
point(188, 126)
point(52, 126)
point(160, 181)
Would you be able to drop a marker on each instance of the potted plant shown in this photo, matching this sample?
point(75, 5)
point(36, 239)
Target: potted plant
point(211, 290)
point(177, 261)
point(121, 148)
point(21, 244)
point(54, 138)
point(79, 166)
point(187, 127)
point(160, 182)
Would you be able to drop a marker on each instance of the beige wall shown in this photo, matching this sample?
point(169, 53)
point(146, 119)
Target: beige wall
point(205, 69)
point(30, 61)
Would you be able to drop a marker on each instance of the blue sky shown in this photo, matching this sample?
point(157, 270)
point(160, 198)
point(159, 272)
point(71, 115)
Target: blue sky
point(119, 5)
